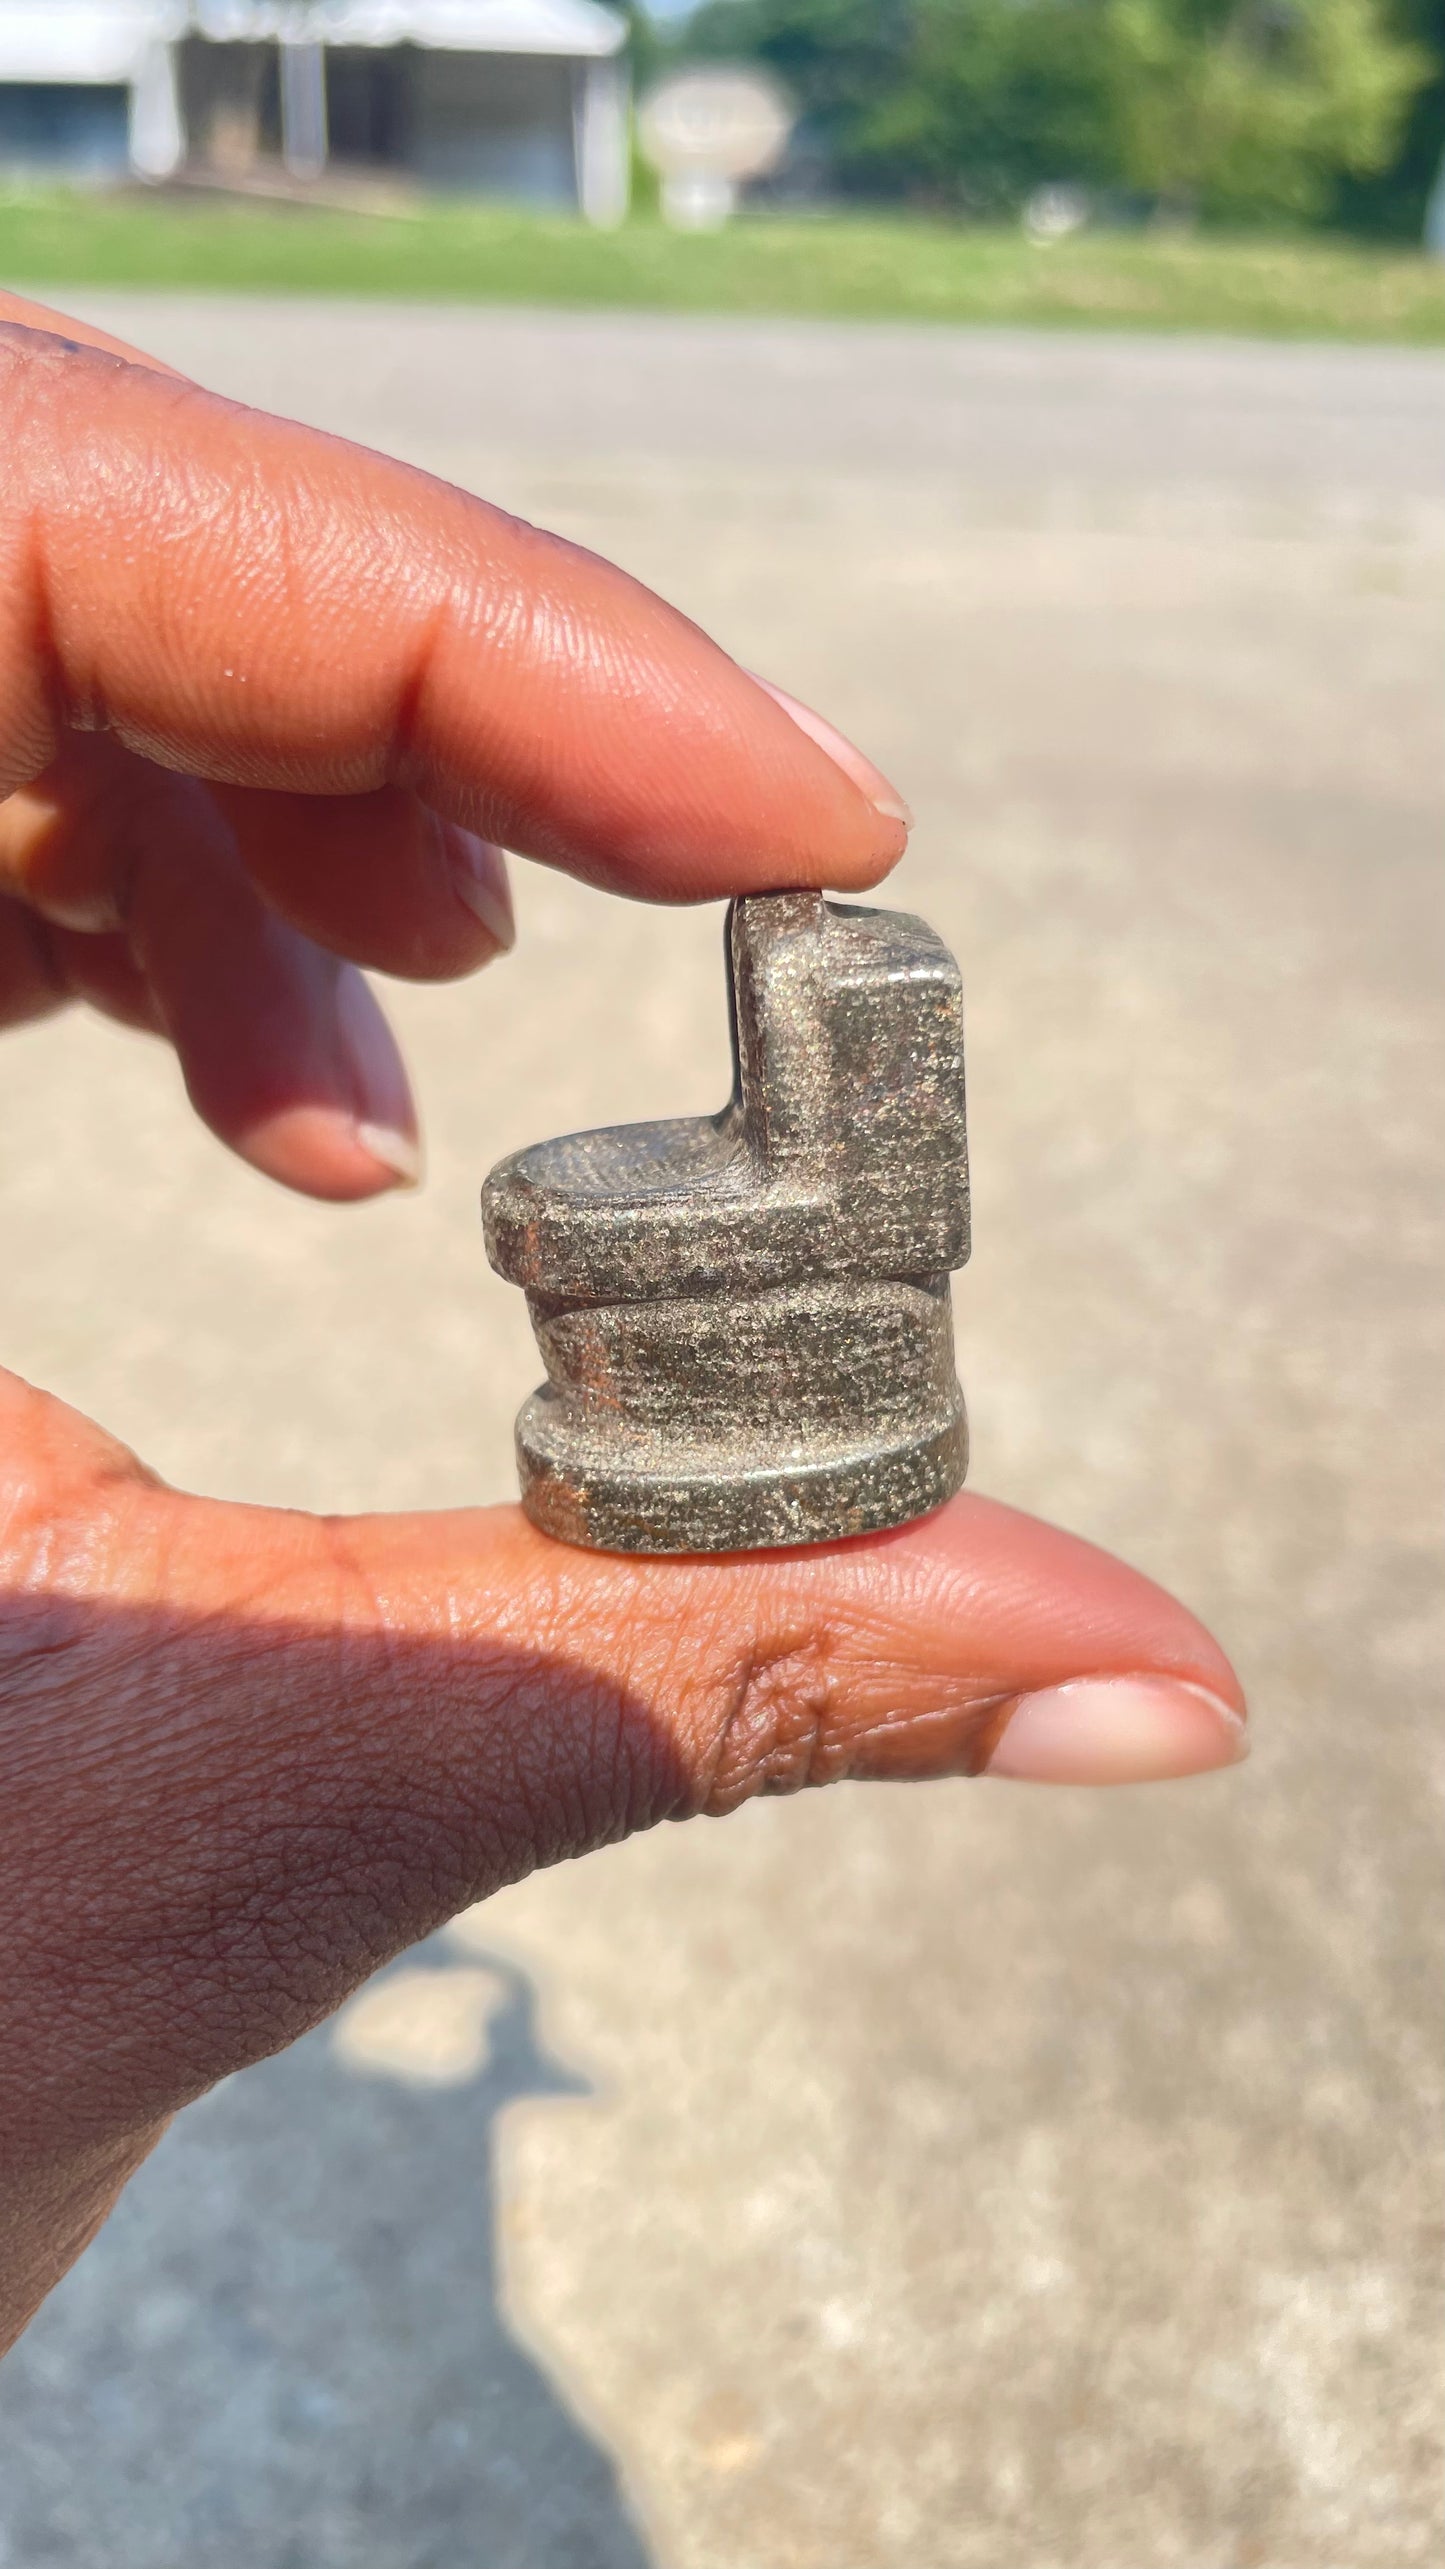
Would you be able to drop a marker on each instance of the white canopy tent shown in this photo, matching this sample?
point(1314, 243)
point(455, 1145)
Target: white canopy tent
point(521, 97)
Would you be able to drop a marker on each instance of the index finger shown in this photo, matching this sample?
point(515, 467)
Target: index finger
point(259, 604)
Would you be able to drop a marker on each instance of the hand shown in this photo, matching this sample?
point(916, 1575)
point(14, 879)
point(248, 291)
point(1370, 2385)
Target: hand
point(269, 706)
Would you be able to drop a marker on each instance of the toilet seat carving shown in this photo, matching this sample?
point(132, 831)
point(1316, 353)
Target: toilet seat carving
point(745, 1317)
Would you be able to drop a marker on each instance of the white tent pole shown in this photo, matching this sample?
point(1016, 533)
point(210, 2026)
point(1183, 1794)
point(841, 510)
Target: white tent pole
point(600, 142)
point(303, 106)
point(156, 138)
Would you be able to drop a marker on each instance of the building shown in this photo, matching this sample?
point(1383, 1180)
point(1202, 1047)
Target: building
point(521, 99)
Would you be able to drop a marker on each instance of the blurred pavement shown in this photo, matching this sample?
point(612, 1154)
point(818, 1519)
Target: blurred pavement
point(970, 2179)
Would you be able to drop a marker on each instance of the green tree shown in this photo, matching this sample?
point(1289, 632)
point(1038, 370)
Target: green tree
point(1241, 109)
point(1255, 107)
point(964, 101)
point(1391, 199)
point(990, 98)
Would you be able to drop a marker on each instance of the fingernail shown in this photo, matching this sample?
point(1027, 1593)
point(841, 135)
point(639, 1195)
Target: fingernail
point(479, 876)
point(383, 1118)
point(1118, 1730)
point(870, 780)
point(396, 1151)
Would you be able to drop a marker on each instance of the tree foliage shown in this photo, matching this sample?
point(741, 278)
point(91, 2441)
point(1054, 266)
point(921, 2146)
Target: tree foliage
point(992, 98)
point(1392, 198)
point(1256, 106)
point(1235, 108)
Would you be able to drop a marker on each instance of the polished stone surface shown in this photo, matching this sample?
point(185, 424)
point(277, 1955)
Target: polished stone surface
point(745, 1316)
point(973, 2178)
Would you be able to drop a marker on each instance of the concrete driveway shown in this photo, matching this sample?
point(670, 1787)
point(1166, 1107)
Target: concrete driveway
point(971, 2178)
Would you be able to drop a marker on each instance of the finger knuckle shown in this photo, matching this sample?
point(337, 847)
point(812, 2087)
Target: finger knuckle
point(778, 1718)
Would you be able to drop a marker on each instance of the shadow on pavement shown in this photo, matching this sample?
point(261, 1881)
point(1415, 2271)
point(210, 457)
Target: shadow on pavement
point(287, 2349)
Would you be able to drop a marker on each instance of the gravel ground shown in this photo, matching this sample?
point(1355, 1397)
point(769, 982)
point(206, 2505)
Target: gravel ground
point(966, 2178)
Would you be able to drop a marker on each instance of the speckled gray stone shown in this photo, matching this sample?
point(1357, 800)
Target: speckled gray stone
point(745, 1317)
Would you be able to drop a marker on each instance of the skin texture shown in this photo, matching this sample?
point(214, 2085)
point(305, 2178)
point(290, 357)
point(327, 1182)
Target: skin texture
point(269, 709)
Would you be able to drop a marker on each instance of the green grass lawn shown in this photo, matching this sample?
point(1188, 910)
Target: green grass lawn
point(841, 265)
